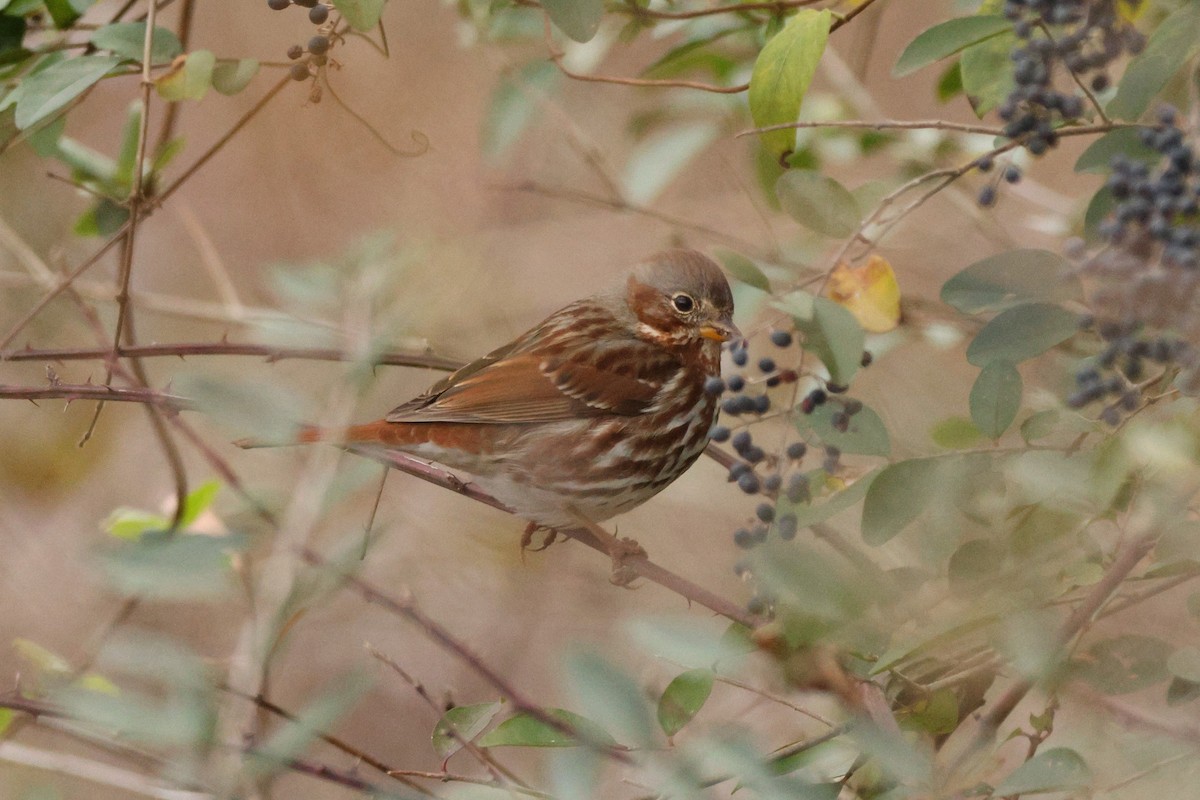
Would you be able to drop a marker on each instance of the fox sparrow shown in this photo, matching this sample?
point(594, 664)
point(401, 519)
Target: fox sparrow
point(587, 415)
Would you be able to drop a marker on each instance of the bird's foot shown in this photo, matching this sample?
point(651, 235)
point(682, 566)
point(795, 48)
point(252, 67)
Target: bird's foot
point(621, 549)
point(527, 539)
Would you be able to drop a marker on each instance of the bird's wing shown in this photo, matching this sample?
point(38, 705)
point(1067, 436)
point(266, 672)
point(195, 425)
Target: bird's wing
point(522, 382)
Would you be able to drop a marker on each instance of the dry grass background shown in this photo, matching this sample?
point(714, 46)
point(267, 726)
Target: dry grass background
point(302, 184)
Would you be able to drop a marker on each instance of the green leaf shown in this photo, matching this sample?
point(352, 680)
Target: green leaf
point(165, 154)
point(1099, 208)
point(128, 40)
point(1055, 769)
point(467, 721)
point(1124, 142)
point(897, 496)
point(948, 38)
point(935, 715)
point(104, 218)
point(610, 696)
point(818, 202)
point(956, 433)
point(173, 566)
point(987, 72)
point(865, 435)
point(64, 12)
point(808, 514)
point(7, 715)
point(950, 85)
point(523, 730)
point(811, 582)
point(45, 92)
point(198, 501)
point(835, 337)
point(363, 15)
point(996, 398)
point(230, 77)
point(265, 410)
point(782, 73)
point(189, 80)
point(659, 159)
point(12, 34)
point(130, 523)
point(1021, 333)
point(683, 698)
point(1171, 45)
point(743, 269)
point(578, 19)
point(319, 716)
point(973, 561)
point(1010, 278)
point(513, 105)
point(1124, 664)
point(1185, 663)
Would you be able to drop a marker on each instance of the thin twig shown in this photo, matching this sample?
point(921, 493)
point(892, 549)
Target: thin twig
point(501, 777)
point(407, 608)
point(91, 391)
point(641, 565)
point(395, 358)
point(880, 125)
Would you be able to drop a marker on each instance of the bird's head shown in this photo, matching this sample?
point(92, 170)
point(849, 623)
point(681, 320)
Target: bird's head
point(679, 298)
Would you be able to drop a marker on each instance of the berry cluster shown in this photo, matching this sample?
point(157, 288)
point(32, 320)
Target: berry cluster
point(1083, 37)
point(317, 48)
point(767, 472)
point(1146, 279)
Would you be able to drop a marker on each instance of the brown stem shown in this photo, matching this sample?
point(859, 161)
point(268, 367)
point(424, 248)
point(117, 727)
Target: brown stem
point(407, 608)
point(640, 564)
point(396, 358)
point(88, 391)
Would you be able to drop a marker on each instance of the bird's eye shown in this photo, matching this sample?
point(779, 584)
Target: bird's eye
point(683, 303)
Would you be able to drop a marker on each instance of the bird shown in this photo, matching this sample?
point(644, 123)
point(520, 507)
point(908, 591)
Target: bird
point(587, 415)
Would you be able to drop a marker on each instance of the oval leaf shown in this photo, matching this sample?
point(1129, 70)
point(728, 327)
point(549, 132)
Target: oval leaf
point(1057, 768)
point(948, 38)
point(897, 496)
point(522, 730)
point(1124, 142)
point(467, 721)
point(987, 72)
point(818, 202)
point(363, 15)
point(611, 696)
point(230, 77)
point(188, 78)
point(45, 92)
point(996, 398)
point(1173, 43)
point(1008, 278)
point(579, 19)
point(834, 336)
point(1021, 333)
point(782, 73)
point(743, 269)
point(865, 433)
point(659, 159)
point(683, 697)
point(870, 291)
point(128, 40)
point(1124, 664)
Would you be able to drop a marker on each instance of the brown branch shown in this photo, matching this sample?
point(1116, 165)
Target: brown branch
point(881, 125)
point(778, 7)
point(395, 358)
point(991, 720)
point(89, 391)
point(641, 565)
point(121, 232)
point(329, 739)
point(851, 14)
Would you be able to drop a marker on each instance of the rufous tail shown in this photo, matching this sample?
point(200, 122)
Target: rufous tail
point(311, 434)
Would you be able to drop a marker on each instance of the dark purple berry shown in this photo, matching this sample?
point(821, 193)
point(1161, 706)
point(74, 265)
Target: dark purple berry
point(796, 450)
point(714, 386)
point(318, 45)
point(299, 72)
point(718, 433)
point(765, 512)
point(318, 14)
point(748, 483)
point(278, 5)
point(781, 338)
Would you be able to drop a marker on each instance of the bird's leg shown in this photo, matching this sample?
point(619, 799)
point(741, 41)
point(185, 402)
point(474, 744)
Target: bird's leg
point(527, 538)
point(619, 548)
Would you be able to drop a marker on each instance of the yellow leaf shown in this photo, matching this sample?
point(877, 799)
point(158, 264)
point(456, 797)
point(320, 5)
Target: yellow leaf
point(1131, 10)
point(869, 292)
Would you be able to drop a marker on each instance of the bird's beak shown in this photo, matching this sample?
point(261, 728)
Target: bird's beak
point(720, 331)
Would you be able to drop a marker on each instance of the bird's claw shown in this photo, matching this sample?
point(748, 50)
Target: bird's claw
point(527, 539)
point(621, 549)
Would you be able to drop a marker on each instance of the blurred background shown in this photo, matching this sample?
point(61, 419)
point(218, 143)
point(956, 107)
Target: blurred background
point(457, 249)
